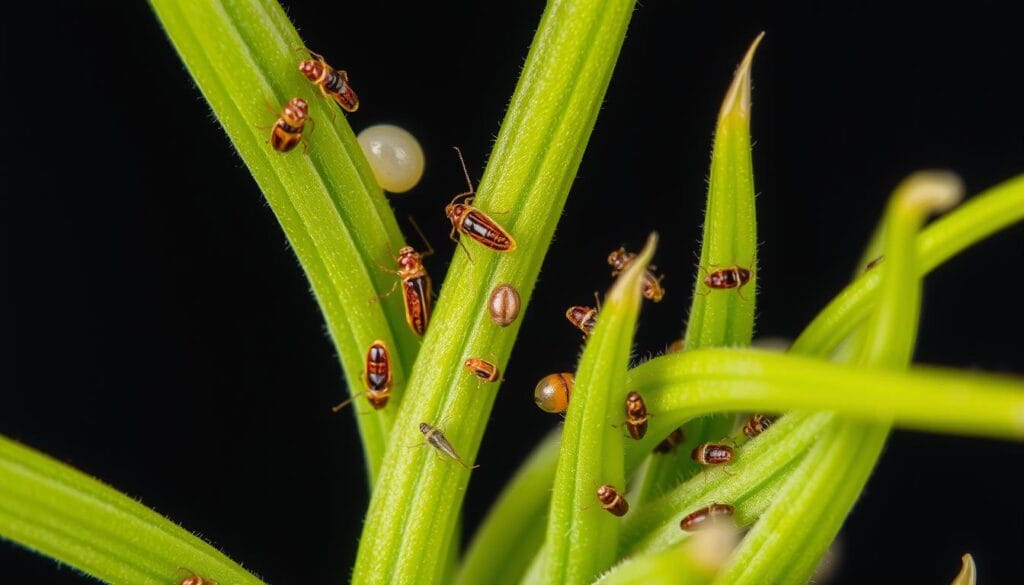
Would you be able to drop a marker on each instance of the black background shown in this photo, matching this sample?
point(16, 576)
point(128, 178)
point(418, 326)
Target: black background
point(164, 338)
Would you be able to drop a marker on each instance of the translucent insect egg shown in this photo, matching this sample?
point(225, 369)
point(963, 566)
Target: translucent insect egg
point(395, 156)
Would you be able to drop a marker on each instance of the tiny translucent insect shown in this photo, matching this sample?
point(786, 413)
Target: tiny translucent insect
point(504, 305)
point(483, 369)
point(474, 223)
point(874, 263)
point(553, 391)
point(333, 83)
point(612, 500)
point(194, 579)
point(705, 516)
point(756, 424)
point(287, 131)
point(583, 318)
point(377, 378)
point(621, 259)
point(417, 288)
point(732, 277)
point(712, 453)
point(636, 415)
point(436, 439)
point(669, 443)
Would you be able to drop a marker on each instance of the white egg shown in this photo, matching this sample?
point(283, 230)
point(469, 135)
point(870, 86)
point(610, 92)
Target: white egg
point(395, 156)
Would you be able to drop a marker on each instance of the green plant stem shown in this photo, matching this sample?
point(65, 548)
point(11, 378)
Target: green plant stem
point(61, 512)
point(412, 515)
point(242, 56)
point(593, 450)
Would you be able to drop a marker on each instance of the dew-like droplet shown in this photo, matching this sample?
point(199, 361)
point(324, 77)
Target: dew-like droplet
point(395, 156)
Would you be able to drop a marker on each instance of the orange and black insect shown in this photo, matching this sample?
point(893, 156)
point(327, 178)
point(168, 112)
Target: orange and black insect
point(756, 425)
point(669, 443)
point(417, 288)
point(287, 131)
point(483, 369)
point(333, 83)
point(583, 318)
point(553, 391)
point(377, 377)
point(636, 415)
point(732, 277)
point(712, 454)
point(474, 223)
point(621, 259)
point(705, 516)
point(612, 500)
point(436, 439)
point(194, 579)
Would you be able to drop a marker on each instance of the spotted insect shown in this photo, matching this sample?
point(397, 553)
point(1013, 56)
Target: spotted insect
point(612, 500)
point(669, 443)
point(286, 133)
point(483, 369)
point(436, 439)
point(636, 415)
point(474, 223)
point(756, 424)
point(553, 391)
point(706, 516)
point(377, 378)
point(621, 259)
point(417, 288)
point(333, 83)
point(712, 454)
point(725, 278)
point(194, 579)
point(583, 318)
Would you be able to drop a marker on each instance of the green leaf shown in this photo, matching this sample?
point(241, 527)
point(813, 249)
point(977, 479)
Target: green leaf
point(593, 439)
point(61, 512)
point(968, 572)
point(413, 512)
point(242, 56)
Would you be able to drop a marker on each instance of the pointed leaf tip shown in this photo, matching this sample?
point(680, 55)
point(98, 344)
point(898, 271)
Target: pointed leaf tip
point(737, 100)
point(634, 273)
point(967, 575)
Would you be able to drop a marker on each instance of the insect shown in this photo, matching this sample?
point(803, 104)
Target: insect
point(732, 277)
point(873, 263)
point(756, 425)
point(612, 500)
point(333, 83)
point(670, 442)
point(377, 377)
point(194, 579)
point(553, 391)
point(583, 318)
point(621, 259)
point(287, 131)
point(705, 516)
point(677, 346)
point(474, 223)
point(436, 439)
point(712, 453)
point(417, 288)
point(483, 369)
point(636, 415)
point(503, 305)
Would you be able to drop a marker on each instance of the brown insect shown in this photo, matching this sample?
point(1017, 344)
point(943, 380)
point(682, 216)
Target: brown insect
point(504, 305)
point(612, 500)
point(583, 318)
point(333, 83)
point(669, 443)
point(436, 439)
point(636, 415)
point(874, 263)
point(417, 288)
point(705, 516)
point(732, 277)
point(194, 579)
point(621, 259)
point(483, 369)
point(712, 453)
point(474, 223)
point(677, 346)
point(287, 131)
point(377, 377)
point(756, 425)
point(553, 391)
